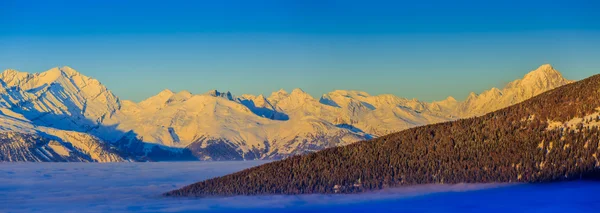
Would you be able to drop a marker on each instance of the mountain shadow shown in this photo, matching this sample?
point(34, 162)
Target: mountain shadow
point(554, 136)
point(266, 112)
point(26, 147)
point(354, 129)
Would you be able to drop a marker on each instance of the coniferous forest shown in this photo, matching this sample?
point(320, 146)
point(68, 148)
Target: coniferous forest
point(514, 144)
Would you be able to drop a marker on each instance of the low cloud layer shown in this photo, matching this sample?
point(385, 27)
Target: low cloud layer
point(125, 187)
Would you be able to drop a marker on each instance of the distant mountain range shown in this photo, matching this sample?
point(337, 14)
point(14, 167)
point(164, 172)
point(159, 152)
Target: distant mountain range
point(62, 115)
point(554, 136)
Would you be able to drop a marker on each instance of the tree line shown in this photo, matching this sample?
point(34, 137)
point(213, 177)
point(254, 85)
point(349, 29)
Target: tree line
point(513, 144)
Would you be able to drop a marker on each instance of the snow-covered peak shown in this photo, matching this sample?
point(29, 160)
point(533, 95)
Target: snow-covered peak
point(544, 75)
point(8, 72)
point(537, 81)
point(450, 99)
point(545, 69)
point(280, 92)
point(261, 101)
point(53, 74)
point(542, 79)
point(298, 91)
point(11, 73)
point(492, 93)
point(13, 77)
point(348, 93)
point(65, 76)
point(472, 96)
point(59, 97)
point(352, 99)
point(446, 106)
point(165, 93)
point(66, 70)
point(184, 93)
point(163, 98)
point(341, 98)
point(158, 100)
point(297, 101)
point(278, 96)
point(180, 96)
point(299, 94)
point(282, 123)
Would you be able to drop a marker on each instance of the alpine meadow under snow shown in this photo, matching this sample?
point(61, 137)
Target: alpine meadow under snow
point(63, 115)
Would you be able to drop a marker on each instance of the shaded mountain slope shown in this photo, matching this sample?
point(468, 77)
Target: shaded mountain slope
point(515, 144)
point(221, 126)
point(20, 140)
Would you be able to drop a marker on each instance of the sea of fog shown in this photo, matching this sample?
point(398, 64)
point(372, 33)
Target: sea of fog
point(137, 187)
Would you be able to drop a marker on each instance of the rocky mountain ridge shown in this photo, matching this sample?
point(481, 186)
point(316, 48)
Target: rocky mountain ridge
point(221, 126)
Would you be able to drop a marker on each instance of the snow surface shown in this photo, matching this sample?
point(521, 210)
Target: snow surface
point(136, 187)
point(260, 127)
point(587, 121)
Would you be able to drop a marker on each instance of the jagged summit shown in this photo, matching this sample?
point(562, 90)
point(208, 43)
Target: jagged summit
point(65, 69)
point(158, 100)
point(68, 71)
point(9, 70)
point(60, 98)
point(64, 75)
point(216, 93)
point(544, 71)
point(12, 77)
point(298, 95)
point(472, 95)
point(544, 68)
point(451, 99)
point(12, 72)
point(349, 93)
point(298, 91)
point(514, 144)
point(281, 91)
point(246, 126)
point(180, 96)
point(543, 76)
point(167, 96)
point(535, 82)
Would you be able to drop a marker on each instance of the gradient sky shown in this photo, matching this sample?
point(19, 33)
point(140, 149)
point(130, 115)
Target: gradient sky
point(414, 49)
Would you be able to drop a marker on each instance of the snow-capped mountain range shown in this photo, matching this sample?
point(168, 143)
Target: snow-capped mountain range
point(62, 115)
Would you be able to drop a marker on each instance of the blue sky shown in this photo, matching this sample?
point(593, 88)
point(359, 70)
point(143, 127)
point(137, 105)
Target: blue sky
point(414, 49)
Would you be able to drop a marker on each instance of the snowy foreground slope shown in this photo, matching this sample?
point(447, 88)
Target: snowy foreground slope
point(62, 115)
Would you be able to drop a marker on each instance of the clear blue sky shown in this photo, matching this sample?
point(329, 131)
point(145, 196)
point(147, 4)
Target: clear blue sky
point(414, 49)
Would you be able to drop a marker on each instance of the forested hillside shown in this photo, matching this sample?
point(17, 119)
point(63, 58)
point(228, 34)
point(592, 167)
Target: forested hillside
point(514, 144)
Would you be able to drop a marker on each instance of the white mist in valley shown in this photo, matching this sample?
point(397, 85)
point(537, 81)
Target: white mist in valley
point(125, 187)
